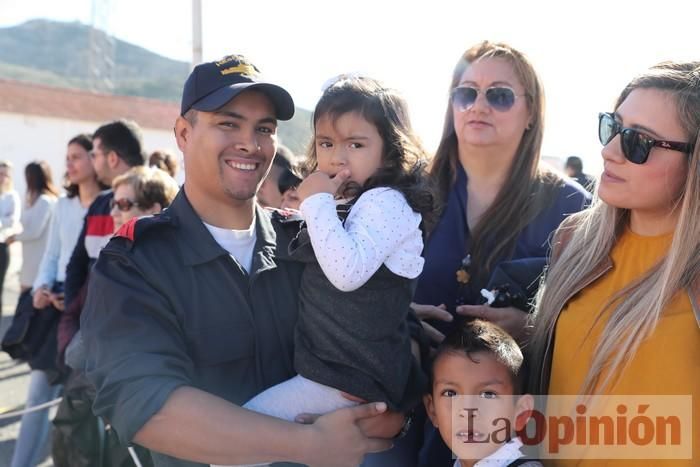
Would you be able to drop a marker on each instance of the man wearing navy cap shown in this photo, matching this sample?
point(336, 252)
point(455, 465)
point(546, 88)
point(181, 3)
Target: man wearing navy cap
point(190, 313)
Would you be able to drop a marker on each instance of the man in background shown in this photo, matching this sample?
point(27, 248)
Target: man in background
point(574, 169)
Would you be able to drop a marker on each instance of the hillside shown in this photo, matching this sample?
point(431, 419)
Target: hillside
point(58, 54)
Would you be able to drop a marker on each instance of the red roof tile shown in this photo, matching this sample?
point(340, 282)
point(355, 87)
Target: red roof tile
point(34, 99)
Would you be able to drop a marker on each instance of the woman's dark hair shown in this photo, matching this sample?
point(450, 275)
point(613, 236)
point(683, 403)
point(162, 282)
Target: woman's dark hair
point(39, 180)
point(164, 160)
point(527, 189)
point(404, 161)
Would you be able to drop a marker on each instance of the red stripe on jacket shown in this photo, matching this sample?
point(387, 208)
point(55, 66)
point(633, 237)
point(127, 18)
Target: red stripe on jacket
point(127, 230)
point(100, 226)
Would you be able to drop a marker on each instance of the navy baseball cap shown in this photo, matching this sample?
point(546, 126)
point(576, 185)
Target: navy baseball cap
point(213, 84)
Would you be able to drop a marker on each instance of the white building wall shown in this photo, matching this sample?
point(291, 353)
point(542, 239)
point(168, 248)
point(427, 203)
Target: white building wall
point(24, 138)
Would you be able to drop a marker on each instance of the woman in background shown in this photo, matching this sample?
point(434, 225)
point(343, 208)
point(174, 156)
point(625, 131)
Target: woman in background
point(47, 295)
point(35, 219)
point(9, 219)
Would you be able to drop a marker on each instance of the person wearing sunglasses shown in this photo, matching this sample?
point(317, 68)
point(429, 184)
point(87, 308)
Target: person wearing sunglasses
point(141, 191)
point(620, 309)
point(498, 204)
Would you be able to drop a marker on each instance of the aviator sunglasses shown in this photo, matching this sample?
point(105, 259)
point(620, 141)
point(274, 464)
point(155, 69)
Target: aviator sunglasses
point(123, 204)
point(500, 98)
point(635, 145)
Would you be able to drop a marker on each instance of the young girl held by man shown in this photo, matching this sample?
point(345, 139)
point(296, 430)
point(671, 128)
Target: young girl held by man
point(364, 205)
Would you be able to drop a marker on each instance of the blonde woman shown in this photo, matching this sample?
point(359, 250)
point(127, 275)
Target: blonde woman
point(619, 311)
point(9, 219)
point(141, 191)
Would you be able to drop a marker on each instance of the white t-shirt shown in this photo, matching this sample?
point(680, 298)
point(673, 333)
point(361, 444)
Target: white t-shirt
point(239, 243)
point(380, 229)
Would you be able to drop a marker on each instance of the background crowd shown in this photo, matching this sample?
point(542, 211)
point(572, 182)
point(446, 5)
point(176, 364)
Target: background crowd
point(588, 278)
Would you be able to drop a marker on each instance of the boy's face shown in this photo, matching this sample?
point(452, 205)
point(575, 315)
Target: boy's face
point(484, 414)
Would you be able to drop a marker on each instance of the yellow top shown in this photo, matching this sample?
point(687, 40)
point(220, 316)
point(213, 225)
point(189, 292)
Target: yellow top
point(666, 363)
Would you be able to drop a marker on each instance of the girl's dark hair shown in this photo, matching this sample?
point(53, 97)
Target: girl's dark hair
point(404, 161)
point(39, 180)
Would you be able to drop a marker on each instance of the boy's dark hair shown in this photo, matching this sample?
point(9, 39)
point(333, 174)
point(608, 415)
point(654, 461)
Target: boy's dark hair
point(124, 138)
point(404, 162)
point(483, 336)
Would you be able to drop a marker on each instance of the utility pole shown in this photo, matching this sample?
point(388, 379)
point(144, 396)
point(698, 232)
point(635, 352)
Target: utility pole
point(196, 32)
point(101, 53)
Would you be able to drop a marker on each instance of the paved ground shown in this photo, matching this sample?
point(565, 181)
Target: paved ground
point(14, 377)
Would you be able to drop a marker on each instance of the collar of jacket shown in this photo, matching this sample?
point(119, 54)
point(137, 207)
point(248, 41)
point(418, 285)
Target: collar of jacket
point(198, 246)
point(561, 240)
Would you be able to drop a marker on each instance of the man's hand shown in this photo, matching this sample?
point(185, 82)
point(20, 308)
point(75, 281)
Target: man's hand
point(342, 439)
point(319, 182)
point(424, 312)
point(41, 298)
point(386, 425)
point(197, 426)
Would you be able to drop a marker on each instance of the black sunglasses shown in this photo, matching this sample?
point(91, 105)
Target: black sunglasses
point(123, 204)
point(635, 145)
point(500, 98)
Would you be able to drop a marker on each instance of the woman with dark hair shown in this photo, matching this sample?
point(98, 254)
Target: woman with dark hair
point(47, 293)
point(497, 203)
point(9, 219)
point(81, 189)
point(35, 219)
point(498, 206)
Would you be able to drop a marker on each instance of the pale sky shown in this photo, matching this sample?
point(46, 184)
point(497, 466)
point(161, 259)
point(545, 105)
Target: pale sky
point(585, 51)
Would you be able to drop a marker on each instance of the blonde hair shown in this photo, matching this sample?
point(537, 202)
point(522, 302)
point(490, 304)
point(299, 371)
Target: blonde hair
point(151, 185)
point(637, 308)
